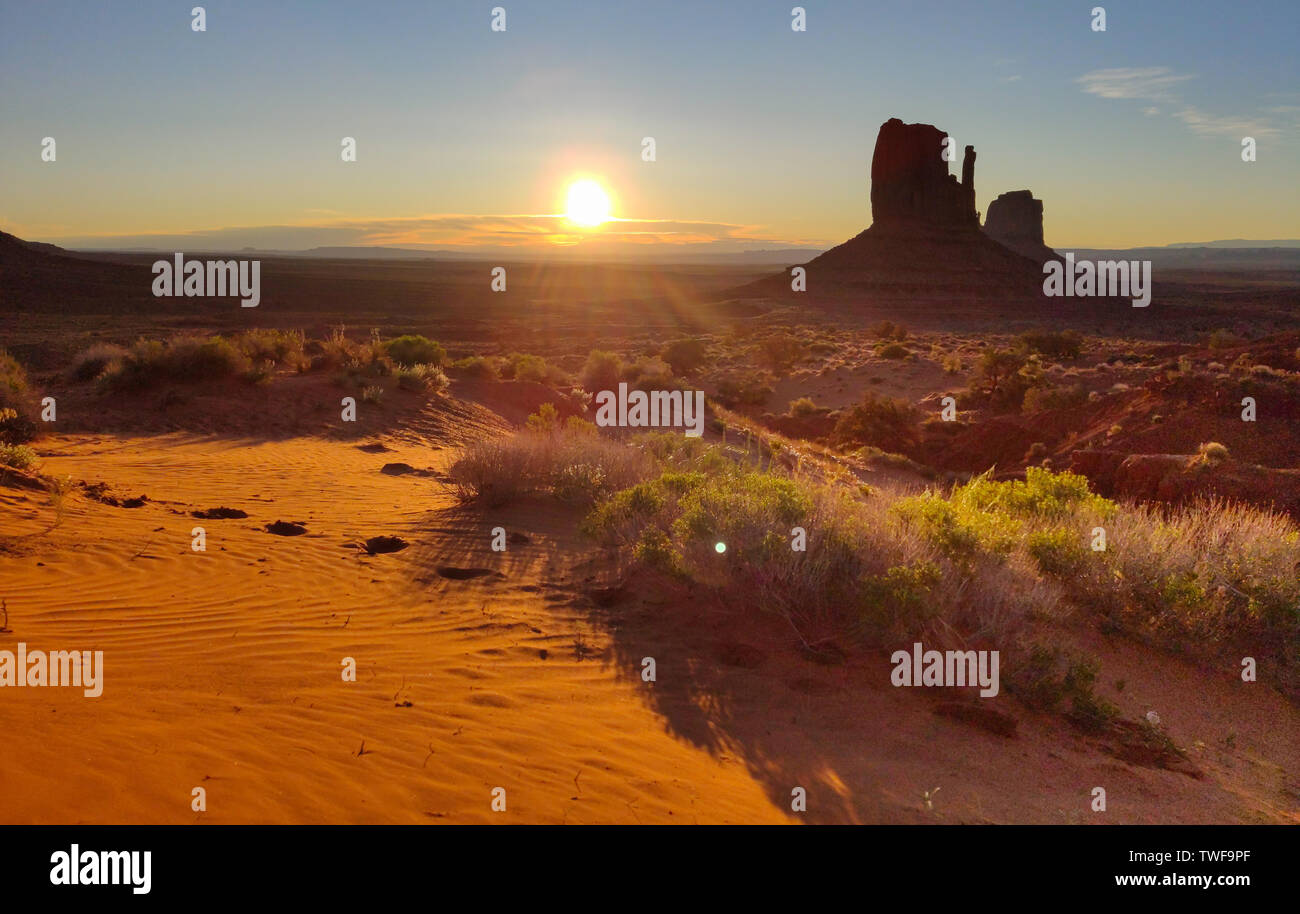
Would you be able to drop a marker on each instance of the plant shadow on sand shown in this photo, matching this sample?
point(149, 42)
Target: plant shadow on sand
point(729, 681)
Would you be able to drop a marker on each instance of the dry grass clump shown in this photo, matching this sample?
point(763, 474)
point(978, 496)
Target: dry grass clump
point(421, 377)
point(18, 456)
point(181, 359)
point(1206, 579)
point(17, 403)
point(571, 462)
point(99, 359)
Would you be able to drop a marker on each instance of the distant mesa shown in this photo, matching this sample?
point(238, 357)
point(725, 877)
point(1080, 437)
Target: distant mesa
point(1015, 220)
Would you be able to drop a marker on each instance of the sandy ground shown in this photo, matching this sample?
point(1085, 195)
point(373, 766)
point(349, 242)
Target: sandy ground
point(223, 671)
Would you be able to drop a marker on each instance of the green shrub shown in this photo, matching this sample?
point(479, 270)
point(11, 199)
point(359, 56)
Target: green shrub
point(476, 366)
point(903, 592)
point(545, 420)
point(519, 366)
point(1058, 551)
point(18, 456)
point(415, 350)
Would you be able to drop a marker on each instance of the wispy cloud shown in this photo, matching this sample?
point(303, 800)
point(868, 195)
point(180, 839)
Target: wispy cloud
point(1151, 83)
point(1211, 125)
point(1158, 84)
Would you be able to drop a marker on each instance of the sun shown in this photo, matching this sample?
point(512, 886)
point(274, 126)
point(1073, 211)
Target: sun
point(587, 205)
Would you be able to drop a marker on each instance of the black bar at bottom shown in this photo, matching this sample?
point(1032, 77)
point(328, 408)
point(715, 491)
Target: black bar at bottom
point(333, 862)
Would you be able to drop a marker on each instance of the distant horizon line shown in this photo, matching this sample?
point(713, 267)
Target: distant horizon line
point(637, 252)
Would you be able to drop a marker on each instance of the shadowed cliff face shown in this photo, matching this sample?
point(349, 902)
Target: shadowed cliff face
point(1015, 220)
point(910, 182)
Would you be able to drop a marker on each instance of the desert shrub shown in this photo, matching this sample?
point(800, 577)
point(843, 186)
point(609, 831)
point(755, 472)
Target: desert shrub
point(372, 394)
point(888, 330)
point(863, 575)
point(893, 351)
point(984, 519)
point(1222, 339)
point(259, 372)
point(1003, 376)
point(780, 352)
point(181, 359)
point(656, 550)
point(601, 371)
point(649, 374)
point(476, 366)
point(1065, 397)
point(743, 390)
point(684, 355)
point(1047, 676)
point(1059, 551)
point(413, 349)
point(804, 407)
point(883, 422)
point(546, 420)
point(279, 347)
point(94, 361)
point(902, 595)
point(16, 427)
point(952, 363)
point(421, 377)
point(13, 381)
point(519, 366)
point(1213, 452)
point(1066, 344)
point(335, 351)
point(996, 368)
point(18, 456)
point(17, 402)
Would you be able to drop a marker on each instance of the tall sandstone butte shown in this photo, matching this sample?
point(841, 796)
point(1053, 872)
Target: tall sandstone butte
point(910, 182)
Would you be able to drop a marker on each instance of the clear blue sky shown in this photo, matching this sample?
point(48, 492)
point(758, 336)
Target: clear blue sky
point(764, 136)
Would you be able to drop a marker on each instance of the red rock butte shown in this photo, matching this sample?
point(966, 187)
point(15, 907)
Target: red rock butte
point(925, 237)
